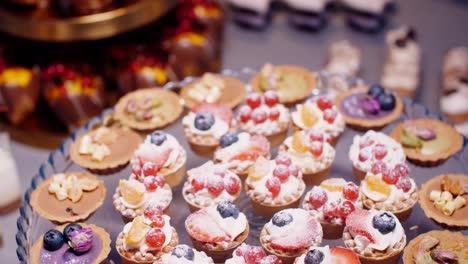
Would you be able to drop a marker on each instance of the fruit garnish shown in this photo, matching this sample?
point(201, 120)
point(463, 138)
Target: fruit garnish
point(283, 159)
point(384, 222)
point(344, 255)
point(379, 151)
point(324, 103)
point(203, 228)
point(69, 229)
point(215, 185)
point(220, 111)
point(375, 90)
point(364, 154)
point(270, 259)
point(351, 191)
point(152, 212)
point(315, 135)
point(345, 208)
point(330, 210)
point(404, 184)
point(402, 170)
point(299, 142)
point(137, 231)
point(271, 98)
point(198, 183)
point(74, 193)
point(227, 209)
point(245, 113)
point(251, 254)
point(183, 251)
point(329, 115)
point(53, 240)
point(410, 141)
point(316, 148)
point(158, 137)
point(153, 182)
point(132, 191)
point(274, 114)
point(391, 177)
point(88, 184)
point(375, 184)
point(387, 101)
point(333, 184)
point(273, 185)
point(232, 185)
point(260, 144)
point(281, 172)
point(259, 116)
point(357, 223)
point(254, 100)
point(379, 167)
point(308, 118)
point(318, 197)
point(136, 169)
point(366, 142)
point(204, 121)
point(304, 235)
point(281, 218)
point(314, 256)
point(155, 238)
point(260, 169)
point(228, 139)
point(293, 170)
point(371, 105)
point(81, 240)
point(426, 134)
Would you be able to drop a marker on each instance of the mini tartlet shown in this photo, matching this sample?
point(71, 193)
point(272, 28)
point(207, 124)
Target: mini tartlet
point(146, 238)
point(274, 185)
point(290, 233)
point(443, 199)
point(437, 246)
point(101, 150)
point(212, 88)
point(217, 230)
point(247, 254)
point(311, 153)
point(72, 243)
point(390, 189)
point(68, 197)
point(372, 147)
point(263, 115)
point(238, 152)
point(132, 197)
point(371, 107)
point(426, 141)
point(160, 154)
point(328, 255)
point(209, 185)
point(205, 124)
point(148, 109)
point(319, 114)
point(183, 254)
point(292, 83)
point(331, 202)
point(375, 236)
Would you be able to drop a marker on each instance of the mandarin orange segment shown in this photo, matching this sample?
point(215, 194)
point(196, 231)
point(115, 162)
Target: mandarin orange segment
point(132, 191)
point(137, 232)
point(308, 118)
point(333, 185)
point(299, 142)
point(375, 184)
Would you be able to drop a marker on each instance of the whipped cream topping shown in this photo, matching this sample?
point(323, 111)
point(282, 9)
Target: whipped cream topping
point(160, 196)
point(457, 102)
point(142, 246)
point(148, 151)
point(218, 129)
point(310, 6)
point(269, 127)
point(462, 128)
point(395, 152)
point(230, 225)
point(345, 58)
point(456, 59)
point(381, 241)
point(199, 257)
point(259, 6)
point(327, 257)
point(373, 6)
point(288, 190)
point(395, 196)
point(334, 129)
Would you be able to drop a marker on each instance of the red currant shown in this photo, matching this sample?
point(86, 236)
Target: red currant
point(150, 183)
point(293, 170)
point(281, 172)
point(318, 197)
point(274, 114)
point(220, 171)
point(324, 103)
point(329, 115)
point(155, 238)
point(380, 151)
point(365, 142)
point(402, 170)
point(136, 169)
point(404, 183)
point(330, 210)
point(283, 159)
point(271, 98)
point(391, 177)
point(245, 114)
point(232, 185)
point(216, 185)
point(198, 184)
point(270, 259)
point(157, 221)
point(316, 148)
point(160, 181)
point(254, 100)
point(150, 169)
point(351, 191)
point(273, 185)
point(259, 116)
point(152, 210)
point(364, 155)
point(379, 167)
point(345, 209)
point(254, 254)
point(315, 135)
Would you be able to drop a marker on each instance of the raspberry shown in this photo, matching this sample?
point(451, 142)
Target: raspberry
point(197, 184)
point(404, 184)
point(283, 159)
point(157, 221)
point(254, 100)
point(273, 185)
point(281, 172)
point(379, 167)
point(315, 135)
point(365, 142)
point(245, 113)
point(364, 155)
point(270, 259)
point(259, 116)
point(351, 191)
point(379, 151)
point(152, 210)
point(324, 103)
point(293, 170)
point(330, 210)
point(316, 148)
point(329, 115)
point(136, 169)
point(345, 209)
point(150, 169)
point(215, 185)
point(402, 170)
point(274, 114)
point(391, 177)
point(318, 197)
point(271, 98)
point(254, 254)
point(150, 183)
point(232, 185)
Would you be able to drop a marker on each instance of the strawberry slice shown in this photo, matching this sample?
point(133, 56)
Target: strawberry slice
point(260, 144)
point(357, 223)
point(202, 227)
point(220, 111)
point(149, 153)
point(343, 255)
point(302, 236)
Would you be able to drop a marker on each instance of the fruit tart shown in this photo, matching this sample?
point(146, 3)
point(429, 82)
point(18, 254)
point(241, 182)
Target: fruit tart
point(160, 154)
point(238, 152)
point(292, 83)
point(331, 202)
point(19, 91)
point(68, 197)
point(146, 238)
point(101, 150)
point(148, 109)
point(443, 199)
point(72, 243)
point(183, 254)
point(372, 107)
point(217, 230)
point(264, 115)
point(311, 153)
point(389, 188)
point(274, 185)
point(427, 141)
point(320, 114)
point(209, 185)
point(327, 255)
point(375, 236)
point(134, 197)
point(290, 233)
point(372, 147)
point(212, 88)
point(205, 124)
point(247, 254)
point(437, 247)
point(74, 94)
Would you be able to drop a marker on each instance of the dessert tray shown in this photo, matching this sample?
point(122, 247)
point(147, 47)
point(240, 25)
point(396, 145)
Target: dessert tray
point(31, 225)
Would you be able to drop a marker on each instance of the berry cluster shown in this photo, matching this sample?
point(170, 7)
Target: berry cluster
point(398, 176)
point(368, 148)
point(253, 110)
point(310, 141)
point(283, 170)
point(377, 99)
point(155, 237)
point(326, 105)
point(216, 183)
point(255, 255)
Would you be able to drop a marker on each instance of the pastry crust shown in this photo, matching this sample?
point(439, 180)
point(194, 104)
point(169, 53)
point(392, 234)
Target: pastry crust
point(416, 157)
point(365, 124)
point(431, 212)
point(103, 235)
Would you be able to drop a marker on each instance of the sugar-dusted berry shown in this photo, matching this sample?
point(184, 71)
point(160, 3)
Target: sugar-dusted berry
point(155, 238)
point(254, 100)
point(318, 197)
point(324, 103)
point(351, 191)
point(273, 185)
point(281, 172)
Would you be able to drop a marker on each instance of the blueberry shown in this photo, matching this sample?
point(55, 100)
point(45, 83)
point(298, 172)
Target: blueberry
point(204, 121)
point(314, 256)
point(53, 240)
point(375, 90)
point(227, 209)
point(70, 228)
point(183, 251)
point(282, 218)
point(387, 101)
point(384, 222)
point(158, 137)
point(228, 139)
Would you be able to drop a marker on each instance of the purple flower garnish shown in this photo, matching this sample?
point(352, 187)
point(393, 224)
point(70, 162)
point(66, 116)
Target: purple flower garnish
point(425, 133)
point(444, 256)
point(131, 107)
point(371, 105)
point(81, 240)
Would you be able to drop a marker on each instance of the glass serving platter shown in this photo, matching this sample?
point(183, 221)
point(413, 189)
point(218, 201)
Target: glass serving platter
point(31, 225)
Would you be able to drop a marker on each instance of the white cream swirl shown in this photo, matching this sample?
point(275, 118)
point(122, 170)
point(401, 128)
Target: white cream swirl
point(269, 127)
point(219, 127)
point(149, 151)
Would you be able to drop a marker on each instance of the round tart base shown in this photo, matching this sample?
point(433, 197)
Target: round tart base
point(415, 156)
point(359, 174)
point(219, 253)
point(175, 175)
point(103, 235)
point(404, 92)
point(402, 214)
point(458, 219)
point(332, 231)
point(457, 118)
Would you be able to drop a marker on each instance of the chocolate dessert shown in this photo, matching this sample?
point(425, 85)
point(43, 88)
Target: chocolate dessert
point(309, 15)
point(368, 16)
point(251, 14)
